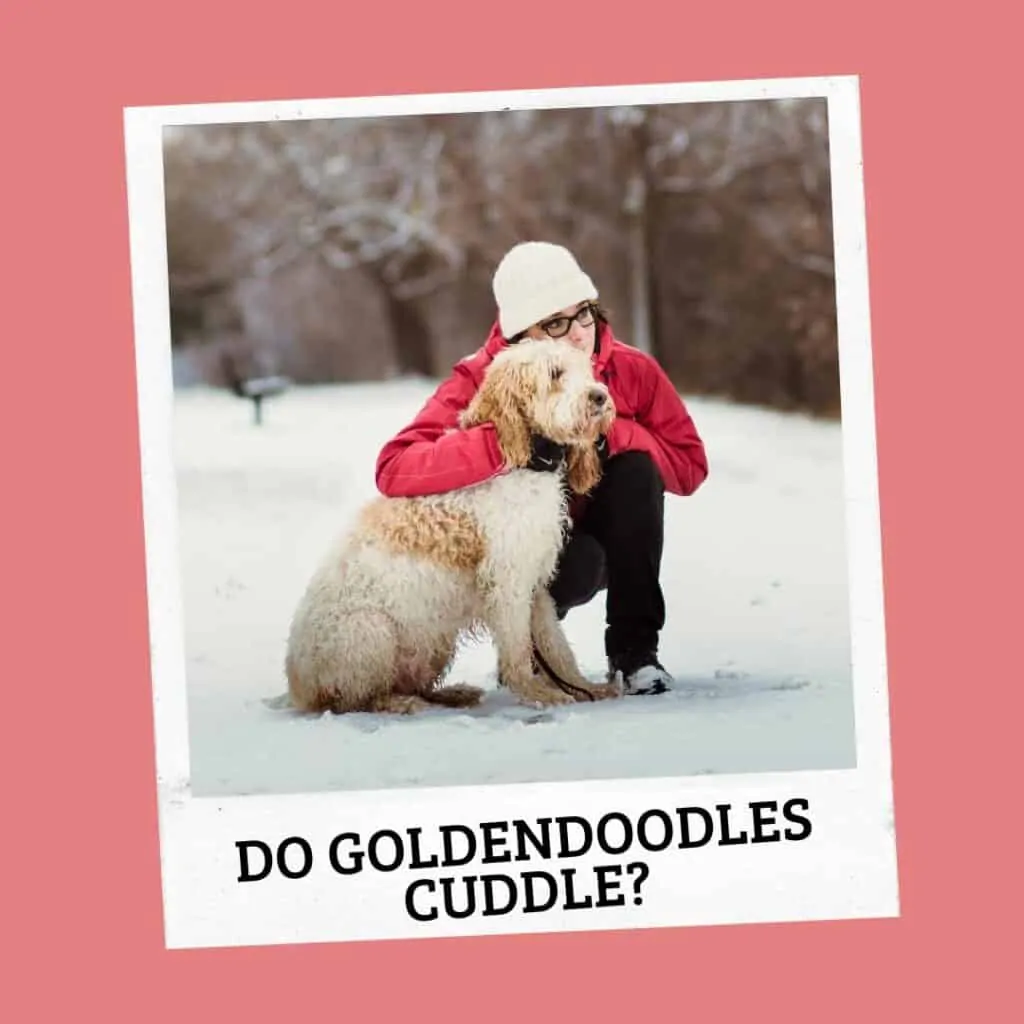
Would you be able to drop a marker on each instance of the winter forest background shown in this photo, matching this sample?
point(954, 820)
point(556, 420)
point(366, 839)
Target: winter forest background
point(355, 257)
point(362, 249)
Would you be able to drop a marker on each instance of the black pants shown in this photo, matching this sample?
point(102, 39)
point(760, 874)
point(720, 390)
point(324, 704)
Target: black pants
point(617, 545)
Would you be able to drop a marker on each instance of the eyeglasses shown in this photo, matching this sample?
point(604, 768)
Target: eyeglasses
point(558, 326)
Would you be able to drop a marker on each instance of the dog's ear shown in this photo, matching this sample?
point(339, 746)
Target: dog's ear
point(479, 409)
point(584, 469)
point(498, 401)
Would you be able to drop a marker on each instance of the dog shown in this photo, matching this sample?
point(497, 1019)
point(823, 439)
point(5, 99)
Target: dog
point(382, 617)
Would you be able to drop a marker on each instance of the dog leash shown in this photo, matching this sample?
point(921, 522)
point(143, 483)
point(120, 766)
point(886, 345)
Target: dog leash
point(563, 685)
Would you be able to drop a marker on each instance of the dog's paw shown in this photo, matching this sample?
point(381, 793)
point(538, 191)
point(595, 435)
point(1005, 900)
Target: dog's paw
point(616, 684)
point(584, 691)
point(611, 690)
point(540, 694)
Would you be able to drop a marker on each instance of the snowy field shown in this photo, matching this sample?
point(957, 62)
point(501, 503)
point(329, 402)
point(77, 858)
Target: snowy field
point(754, 574)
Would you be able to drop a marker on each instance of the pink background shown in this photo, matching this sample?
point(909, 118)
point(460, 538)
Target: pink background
point(81, 902)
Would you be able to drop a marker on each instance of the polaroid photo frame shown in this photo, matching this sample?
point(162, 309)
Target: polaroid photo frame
point(564, 854)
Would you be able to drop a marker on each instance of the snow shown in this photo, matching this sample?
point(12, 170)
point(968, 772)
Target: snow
point(754, 574)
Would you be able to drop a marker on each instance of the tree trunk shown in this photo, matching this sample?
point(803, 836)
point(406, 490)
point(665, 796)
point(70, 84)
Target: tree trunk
point(411, 337)
point(638, 249)
point(639, 266)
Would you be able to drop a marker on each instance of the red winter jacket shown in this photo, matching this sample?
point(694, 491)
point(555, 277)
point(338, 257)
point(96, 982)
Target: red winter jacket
point(432, 455)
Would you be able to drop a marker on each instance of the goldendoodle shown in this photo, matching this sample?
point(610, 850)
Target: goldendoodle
point(379, 624)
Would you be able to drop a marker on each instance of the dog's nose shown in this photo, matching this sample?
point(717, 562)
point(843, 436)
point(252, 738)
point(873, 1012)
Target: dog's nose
point(598, 397)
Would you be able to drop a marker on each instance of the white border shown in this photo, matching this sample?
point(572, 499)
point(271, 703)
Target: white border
point(846, 869)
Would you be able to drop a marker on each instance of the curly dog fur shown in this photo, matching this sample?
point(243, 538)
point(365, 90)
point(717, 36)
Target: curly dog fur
point(380, 621)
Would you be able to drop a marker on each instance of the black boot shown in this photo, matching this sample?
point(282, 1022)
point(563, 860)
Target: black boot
point(641, 671)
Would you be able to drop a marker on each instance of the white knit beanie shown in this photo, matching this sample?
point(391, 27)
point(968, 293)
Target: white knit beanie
point(533, 281)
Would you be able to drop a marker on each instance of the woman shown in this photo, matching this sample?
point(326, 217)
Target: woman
point(653, 447)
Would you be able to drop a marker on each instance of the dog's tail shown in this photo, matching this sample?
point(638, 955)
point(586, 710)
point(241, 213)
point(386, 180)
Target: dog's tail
point(454, 695)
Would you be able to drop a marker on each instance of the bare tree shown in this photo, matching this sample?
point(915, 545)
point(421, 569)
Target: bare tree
point(380, 234)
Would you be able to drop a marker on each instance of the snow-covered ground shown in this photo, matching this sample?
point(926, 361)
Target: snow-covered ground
point(754, 574)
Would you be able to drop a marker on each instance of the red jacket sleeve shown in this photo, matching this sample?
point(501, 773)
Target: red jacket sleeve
point(662, 426)
point(432, 455)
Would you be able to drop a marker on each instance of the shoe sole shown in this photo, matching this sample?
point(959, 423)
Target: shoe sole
point(647, 691)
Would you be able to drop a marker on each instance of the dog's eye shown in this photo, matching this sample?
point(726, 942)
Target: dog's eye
point(556, 373)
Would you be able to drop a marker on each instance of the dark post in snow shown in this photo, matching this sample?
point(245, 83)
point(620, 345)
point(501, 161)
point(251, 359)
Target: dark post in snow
point(262, 387)
point(253, 388)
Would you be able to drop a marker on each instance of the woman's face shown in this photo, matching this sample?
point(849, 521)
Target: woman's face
point(582, 328)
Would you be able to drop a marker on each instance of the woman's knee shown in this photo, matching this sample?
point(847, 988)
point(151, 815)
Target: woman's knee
point(581, 574)
point(635, 470)
point(632, 492)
